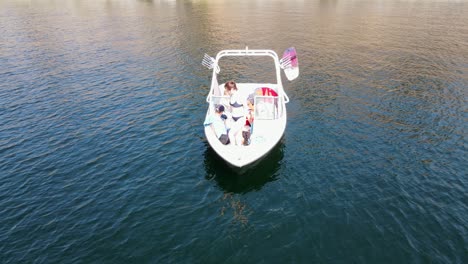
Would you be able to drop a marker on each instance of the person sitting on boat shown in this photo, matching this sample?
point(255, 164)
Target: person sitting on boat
point(237, 112)
point(218, 124)
point(247, 130)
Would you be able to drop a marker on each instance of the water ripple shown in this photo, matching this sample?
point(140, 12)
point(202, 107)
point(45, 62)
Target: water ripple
point(103, 158)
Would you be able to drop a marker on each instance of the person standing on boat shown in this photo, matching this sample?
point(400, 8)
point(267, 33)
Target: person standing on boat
point(237, 112)
point(225, 102)
point(218, 124)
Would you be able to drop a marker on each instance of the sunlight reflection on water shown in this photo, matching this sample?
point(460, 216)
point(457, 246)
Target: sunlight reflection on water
point(103, 156)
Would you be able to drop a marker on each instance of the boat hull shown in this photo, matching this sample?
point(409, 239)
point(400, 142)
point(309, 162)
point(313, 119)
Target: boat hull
point(269, 106)
point(265, 136)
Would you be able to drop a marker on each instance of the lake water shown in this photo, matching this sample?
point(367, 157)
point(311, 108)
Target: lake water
point(103, 157)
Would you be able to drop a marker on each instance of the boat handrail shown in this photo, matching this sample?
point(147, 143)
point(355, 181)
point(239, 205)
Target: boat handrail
point(252, 52)
point(249, 52)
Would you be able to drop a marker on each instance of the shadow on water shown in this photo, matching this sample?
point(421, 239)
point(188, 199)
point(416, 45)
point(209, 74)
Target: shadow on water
point(252, 178)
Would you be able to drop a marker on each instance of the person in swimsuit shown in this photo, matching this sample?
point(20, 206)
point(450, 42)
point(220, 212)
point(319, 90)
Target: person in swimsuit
point(237, 112)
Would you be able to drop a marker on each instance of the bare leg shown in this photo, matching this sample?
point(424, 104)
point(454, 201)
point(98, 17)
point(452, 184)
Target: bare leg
point(235, 134)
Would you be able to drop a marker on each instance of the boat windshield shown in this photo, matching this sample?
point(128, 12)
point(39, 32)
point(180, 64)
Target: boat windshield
point(267, 107)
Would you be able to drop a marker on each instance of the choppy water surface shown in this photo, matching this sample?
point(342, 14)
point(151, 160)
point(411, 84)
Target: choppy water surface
point(103, 157)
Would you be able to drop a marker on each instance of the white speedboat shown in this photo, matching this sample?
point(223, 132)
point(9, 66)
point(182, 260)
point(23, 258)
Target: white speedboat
point(269, 106)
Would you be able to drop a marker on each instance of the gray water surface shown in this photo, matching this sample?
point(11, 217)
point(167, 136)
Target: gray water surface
point(103, 156)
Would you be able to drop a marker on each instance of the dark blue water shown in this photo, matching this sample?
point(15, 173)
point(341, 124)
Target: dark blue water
point(103, 156)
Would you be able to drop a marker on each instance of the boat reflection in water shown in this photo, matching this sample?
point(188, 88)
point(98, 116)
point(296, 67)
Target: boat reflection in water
point(251, 178)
